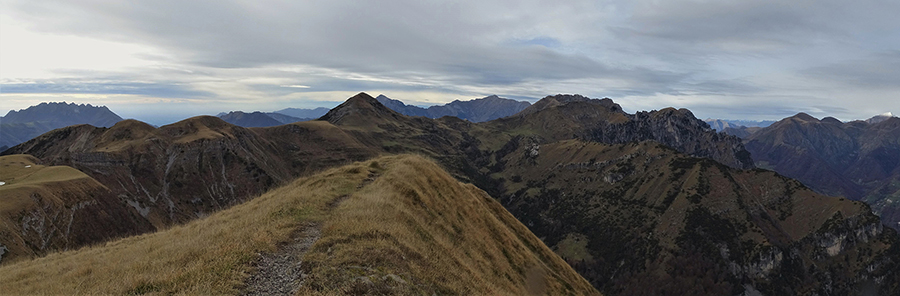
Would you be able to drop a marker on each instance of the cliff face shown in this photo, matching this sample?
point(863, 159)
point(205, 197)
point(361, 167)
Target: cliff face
point(858, 160)
point(571, 116)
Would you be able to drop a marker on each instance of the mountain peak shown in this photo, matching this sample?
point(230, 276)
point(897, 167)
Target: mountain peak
point(357, 110)
point(880, 117)
point(804, 117)
point(563, 99)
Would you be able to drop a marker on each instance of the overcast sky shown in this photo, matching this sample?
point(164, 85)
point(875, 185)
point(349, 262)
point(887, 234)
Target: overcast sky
point(721, 59)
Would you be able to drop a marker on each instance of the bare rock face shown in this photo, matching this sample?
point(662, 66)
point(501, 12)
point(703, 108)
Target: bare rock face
point(680, 130)
point(602, 120)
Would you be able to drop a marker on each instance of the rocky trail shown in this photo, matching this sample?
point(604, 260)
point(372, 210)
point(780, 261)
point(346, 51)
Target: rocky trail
point(280, 273)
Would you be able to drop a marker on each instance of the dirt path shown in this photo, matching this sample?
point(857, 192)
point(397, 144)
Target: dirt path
point(279, 273)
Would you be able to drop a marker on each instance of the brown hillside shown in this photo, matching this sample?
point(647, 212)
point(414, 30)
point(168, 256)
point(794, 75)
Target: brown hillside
point(858, 160)
point(393, 225)
point(52, 208)
point(194, 167)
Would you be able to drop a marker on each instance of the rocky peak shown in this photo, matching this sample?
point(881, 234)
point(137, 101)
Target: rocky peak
point(561, 99)
point(358, 109)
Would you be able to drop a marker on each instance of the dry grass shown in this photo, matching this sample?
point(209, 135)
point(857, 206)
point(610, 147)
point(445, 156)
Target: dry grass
point(208, 256)
point(405, 227)
point(415, 230)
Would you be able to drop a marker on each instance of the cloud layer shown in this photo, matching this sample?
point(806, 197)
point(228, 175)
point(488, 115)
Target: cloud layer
point(732, 59)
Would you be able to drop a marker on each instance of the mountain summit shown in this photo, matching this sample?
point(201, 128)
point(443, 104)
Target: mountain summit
point(880, 117)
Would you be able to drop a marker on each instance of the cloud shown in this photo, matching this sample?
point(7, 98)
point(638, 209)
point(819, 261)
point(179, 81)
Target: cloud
point(760, 55)
point(879, 71)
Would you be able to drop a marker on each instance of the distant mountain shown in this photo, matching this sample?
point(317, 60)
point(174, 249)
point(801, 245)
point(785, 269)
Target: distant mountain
point(721, 124)
point(478, 110)
point(304, 113)
point(880, 118)
point(285, 119)
point(255, 119)
point(258, 119)
point(20, 126)
point(859, 160)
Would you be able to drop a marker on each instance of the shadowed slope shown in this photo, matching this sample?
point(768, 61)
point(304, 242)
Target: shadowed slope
point(413, 230)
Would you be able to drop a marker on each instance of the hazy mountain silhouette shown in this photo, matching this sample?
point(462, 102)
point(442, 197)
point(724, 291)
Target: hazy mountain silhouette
point(477, 110)
point(20, 126)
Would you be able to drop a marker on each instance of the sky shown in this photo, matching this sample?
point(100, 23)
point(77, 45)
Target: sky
point(166, 60)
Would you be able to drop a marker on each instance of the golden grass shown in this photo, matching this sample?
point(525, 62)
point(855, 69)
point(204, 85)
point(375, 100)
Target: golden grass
point(416, 230)
point(412, 229)
point(208, 256)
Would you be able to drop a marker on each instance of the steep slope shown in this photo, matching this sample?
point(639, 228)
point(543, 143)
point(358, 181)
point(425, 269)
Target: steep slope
point(52, 208)
point(393, 225)
point(625, 215)
point(856, 159)
point(20, 126)
point(477, 110)
point(181, 171)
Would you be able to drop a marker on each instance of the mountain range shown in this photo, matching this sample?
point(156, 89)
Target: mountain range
point(477, 110)
point(626, 199)
point(20, 126)
point(859, 160)
point(722, 124)
point(258, 119)
point(303, 113)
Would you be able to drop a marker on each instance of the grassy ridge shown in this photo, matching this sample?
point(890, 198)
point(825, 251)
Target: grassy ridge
point(416, 230)
point(404, 226)
point(208, 256)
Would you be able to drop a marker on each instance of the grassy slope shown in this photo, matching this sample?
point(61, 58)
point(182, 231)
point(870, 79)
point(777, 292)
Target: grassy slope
point(413, 230)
